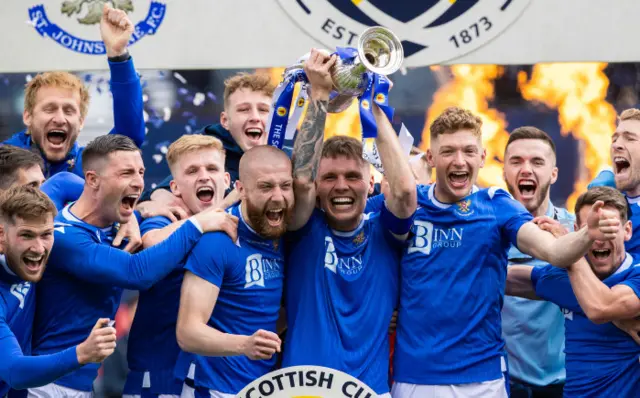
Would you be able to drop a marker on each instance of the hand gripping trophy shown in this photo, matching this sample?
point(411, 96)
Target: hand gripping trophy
point(358, 73)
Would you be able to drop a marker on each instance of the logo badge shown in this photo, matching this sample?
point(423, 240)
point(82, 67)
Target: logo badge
point(307, 382)
point(300, 102)
point(431, 32)
point(365, 104)
point(281, 111)
point(463, 208)
point(73, 20)
point(358, 239)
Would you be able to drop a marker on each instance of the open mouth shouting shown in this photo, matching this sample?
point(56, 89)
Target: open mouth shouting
point(601, 254)
point(458, 179)
point(205, 194)
point(33, 262)
point(527, 188)
point(342, 203)
point(254, 134)
point(129, 202)
point(275, 216)
point(622, 166)
point(57, 138)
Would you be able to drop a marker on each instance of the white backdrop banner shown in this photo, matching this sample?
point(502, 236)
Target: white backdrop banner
point(38, 35)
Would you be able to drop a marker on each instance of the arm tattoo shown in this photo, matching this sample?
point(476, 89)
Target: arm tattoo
point(308, 144)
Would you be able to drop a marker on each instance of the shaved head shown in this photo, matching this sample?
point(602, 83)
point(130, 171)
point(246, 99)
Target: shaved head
point(260, 158)
point(266, 190)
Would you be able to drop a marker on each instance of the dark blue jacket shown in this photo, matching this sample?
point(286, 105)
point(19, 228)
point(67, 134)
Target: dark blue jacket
point(127, 114)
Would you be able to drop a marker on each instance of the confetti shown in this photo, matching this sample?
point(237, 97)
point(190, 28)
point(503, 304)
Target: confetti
point(183, 91)
point(161, 73)
point(198, 99)
point(146, 130)
point(145, 98)
point(187, 114)
point(187, 128)
point(154, 185)
point(145, 116)
point(177, 105)
point(167, 113)
point(157, 158)
point(159, 145)
point(28, 78)
point(164, 150)
point(193, 121)
point(212, 96)
point(180, 78)
point(88, 77)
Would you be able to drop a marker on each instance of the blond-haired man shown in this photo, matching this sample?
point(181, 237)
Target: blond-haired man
point(199, 180)
point(247, 102)
point(56, 103)
point(449, 340)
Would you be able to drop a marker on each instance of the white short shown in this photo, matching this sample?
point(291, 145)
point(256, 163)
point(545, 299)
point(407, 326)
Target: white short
point(216, 394)
point(56, 391)
point(159, 396)
point(188, 392)
point(487, 389)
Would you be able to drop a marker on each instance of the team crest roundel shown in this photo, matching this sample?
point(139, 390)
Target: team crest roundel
point(432, 31)
point(73, 24)
point(307, 382)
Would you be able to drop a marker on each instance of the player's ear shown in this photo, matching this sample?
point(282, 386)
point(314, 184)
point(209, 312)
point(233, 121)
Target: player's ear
point(174, 189)
point(227, 180)
point(92, 179)
point(241, 189)
point(224, 120)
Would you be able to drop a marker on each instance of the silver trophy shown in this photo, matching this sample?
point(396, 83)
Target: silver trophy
point(379, 51)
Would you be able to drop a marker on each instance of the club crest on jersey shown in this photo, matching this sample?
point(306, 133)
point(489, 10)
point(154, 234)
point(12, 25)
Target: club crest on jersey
point(259, 270)
point(358, 239)
point(77, 15)
point(431, 31)
point(463, 208)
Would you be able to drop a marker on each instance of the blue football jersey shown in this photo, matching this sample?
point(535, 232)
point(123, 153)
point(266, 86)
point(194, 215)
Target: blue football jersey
point(250, 274)
point(341, 290)
point(633, 245)
point(17, 307)
point(155, 352)
point(84, 280)
point(601, 360)
point(452, 288)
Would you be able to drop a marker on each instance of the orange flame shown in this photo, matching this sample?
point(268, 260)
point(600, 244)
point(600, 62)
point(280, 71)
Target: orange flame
point(343, 123)
point(471, 88)
point(578, 92)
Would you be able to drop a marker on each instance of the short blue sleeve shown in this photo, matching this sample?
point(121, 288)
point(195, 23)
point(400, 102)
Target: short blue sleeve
point(633, 281)
point(510, 214)
point(374, 203)
point(209, 258)
point(552, 284)
point(153, 223)
point(63, 188)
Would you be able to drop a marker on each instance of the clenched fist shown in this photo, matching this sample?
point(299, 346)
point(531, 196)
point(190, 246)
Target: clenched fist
point(261, 345)
point(115, 29)
point(99, 345)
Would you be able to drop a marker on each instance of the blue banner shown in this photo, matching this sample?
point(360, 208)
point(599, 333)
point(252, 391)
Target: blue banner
point(42, 24)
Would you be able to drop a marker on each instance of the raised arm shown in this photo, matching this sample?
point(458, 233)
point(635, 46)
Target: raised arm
point(602, 224)
point(116, 30)
point(519, 282)
point(134, 271)
point(401, 197)
point(599, 302)
point(307, 147)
